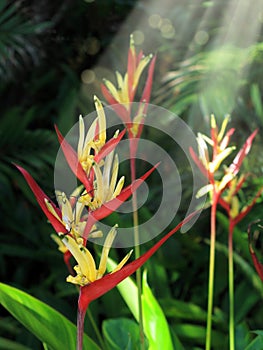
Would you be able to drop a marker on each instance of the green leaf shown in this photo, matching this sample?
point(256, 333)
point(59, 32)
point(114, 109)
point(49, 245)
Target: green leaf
point(128, 291)
point(121, 334)
point(196, 334)
point(155, 324)
point(257, 343)
point(47, 324)
point(182, 310)
point(6, 344)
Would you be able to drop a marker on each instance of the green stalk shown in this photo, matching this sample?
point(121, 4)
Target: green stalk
point(231, 288)
point(137, 250)
point(211, 271)
point(96, 330)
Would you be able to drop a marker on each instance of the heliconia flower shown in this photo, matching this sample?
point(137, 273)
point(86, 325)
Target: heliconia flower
point(99, 287)
point(106, 183)
point(112, 205)
point(92, 148)
point(62, 221)
point(220, 151)
point(122, 96)
point(219, 142)
point(86, 271)
point(230, 202)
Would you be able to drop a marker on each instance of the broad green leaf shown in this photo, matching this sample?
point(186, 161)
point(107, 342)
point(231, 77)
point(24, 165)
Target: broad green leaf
point(182, 310)
point(196, 334)
point(128, 291)
point(47, 324)
point(6, 344)
point(242, 336)
point(121, 334)
point(155, 324)
point(257, 343)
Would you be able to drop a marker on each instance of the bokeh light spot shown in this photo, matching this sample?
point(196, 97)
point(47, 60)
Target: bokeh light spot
point(88, 76)
point(138, 37)
point(201, 37)
point(155, 21)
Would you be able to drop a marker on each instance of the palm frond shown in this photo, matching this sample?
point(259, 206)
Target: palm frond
point(19, 40)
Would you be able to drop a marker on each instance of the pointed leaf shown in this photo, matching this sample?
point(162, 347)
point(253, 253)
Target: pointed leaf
point(155, 323)
point(47, 324)
point(121, 334)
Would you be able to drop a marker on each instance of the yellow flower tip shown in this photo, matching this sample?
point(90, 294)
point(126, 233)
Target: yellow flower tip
point(234, 207)
point(132, 42)
point(116, 134)
point(57, 240)
point(123, 262)
point(213, 121)
point(96, 234)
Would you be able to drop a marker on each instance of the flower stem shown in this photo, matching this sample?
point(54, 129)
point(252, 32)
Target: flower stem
point(137, 252)
point(211, 271)
point(231, 288)
point(96, 330)
point(80, 325)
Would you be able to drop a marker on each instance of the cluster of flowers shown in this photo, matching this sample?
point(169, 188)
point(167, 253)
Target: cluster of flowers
point(224, 186)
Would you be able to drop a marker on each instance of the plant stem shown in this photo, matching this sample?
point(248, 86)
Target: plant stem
point(211, 271)
point(96, 330)
point(231, 287)
point(137, 251)
point(80, 325)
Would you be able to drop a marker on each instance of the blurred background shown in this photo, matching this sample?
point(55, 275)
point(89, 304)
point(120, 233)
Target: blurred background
point(53, 57)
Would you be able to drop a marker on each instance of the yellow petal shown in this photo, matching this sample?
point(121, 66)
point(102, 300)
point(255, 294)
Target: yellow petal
point(105, 251)
point(112, 89)
point(99, 188)
point(61, 247)
point(82, 256)
point(213, 122)
point(81, 137)
point(202, 150)
point(67, 215)
point(119, 187)
point(213, 166)
point(52, 210)
point(204, 190)
point(102, 120)
point(123, 262)
point(143, 63)
point(223, 128)
point(234, 211)
point(114, 174)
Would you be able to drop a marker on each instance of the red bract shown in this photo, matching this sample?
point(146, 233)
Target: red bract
point(41, 197)
point(72, 160)
point(101, 286)
point(109, 207)
point(235, 166)
point(121, 97)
